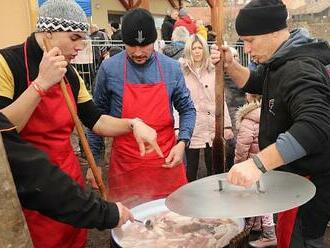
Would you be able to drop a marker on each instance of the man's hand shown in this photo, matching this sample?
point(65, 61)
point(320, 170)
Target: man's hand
point(244, 174)
point(216, 55)
point(90, 177)
point(146, 137)
point(124, 214)
point(176, 155)
point(52, 68)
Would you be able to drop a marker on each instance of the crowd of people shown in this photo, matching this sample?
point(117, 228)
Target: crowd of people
point(159, 107)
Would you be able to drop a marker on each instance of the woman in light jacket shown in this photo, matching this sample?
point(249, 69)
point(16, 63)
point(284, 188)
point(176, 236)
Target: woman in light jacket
point(199, 75)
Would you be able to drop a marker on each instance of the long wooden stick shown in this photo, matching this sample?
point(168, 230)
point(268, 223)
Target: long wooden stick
point(219, 154)
point(81, 133)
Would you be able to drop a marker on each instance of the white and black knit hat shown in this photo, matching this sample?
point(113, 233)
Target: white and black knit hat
point(61, 16)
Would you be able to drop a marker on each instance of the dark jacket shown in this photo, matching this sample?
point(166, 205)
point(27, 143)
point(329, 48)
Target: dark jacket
point(41, 186)
point(296, 98)
point(174, 50)
point(116, 35)
point(167, 28)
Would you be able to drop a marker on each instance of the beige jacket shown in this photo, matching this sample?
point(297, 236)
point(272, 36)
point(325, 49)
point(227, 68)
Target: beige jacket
point(201, 86)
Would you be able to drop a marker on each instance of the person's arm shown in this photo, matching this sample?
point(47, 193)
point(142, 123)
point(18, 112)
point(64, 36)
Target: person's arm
point(43, 187)
point(184, 105)
point(238, 73)
point(306, 93)
point(244, 140)
point(187, 118)
point(51, 70)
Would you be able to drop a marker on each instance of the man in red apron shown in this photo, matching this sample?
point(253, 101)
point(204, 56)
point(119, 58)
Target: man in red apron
point(32, 171)
point(145, 85)
point(30, 76)
point(294, 132)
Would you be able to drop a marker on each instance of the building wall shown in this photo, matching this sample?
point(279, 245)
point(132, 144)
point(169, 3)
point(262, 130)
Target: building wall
point(100, 9)
point(17, 21)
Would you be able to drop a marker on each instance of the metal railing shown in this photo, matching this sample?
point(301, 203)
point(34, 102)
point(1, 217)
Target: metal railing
point(88, 60)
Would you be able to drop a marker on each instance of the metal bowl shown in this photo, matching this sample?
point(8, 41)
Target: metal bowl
point(146, 210)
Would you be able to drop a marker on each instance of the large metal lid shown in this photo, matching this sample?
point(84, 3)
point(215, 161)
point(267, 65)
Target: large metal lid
point(202, 198)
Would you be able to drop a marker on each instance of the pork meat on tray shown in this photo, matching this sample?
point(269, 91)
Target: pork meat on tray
point(171, 230)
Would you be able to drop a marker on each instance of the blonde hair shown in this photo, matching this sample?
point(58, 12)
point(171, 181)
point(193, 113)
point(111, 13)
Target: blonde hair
point(206, 63)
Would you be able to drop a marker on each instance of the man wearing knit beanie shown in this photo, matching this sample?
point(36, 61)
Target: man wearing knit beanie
point(294, 131)
point(29, 77)
point(140, 82)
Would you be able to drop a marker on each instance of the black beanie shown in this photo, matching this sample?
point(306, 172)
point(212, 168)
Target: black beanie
point(261, 17)
point(138, 28)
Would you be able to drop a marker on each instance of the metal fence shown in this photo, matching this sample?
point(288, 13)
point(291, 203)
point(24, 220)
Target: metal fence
point(88, 60)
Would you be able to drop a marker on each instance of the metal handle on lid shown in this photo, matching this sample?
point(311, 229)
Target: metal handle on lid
point(260, 188)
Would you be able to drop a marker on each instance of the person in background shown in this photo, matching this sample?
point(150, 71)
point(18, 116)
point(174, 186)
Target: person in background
point(186, 21)
point(201, 29)
point(199, 75)
point(168, 25)
point(116, 32)
point(247, 124)
point(30, 76)
point(146, 85)
point(294, 133)
point(211, 35)
point(176, 47)
point(99, 39)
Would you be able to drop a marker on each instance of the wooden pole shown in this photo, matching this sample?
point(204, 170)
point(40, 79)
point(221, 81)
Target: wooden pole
point(145, 4)
point(219, 153)
point(81, 134)
point(13, 229)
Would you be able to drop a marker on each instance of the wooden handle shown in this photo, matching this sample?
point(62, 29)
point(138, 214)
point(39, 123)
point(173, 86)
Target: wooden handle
point(218, 150)
point(81, 133)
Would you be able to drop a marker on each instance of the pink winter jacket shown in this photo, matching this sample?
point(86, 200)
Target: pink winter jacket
point(247, 123)
point(201, 86)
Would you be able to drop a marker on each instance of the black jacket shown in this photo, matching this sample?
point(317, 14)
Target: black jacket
point(295, 87)
point(167, 28)
point(41, 186)
point(117, 35)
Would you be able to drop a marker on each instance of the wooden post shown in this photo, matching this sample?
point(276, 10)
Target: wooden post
point(219, 153)
point(145, 4)
point(13, 229)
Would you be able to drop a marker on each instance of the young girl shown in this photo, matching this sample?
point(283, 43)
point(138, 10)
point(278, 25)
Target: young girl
point(247, 123)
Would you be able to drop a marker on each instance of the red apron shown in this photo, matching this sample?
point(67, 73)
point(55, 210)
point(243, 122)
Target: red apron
point(49, 129)
point(284, 227)
point(143, 178)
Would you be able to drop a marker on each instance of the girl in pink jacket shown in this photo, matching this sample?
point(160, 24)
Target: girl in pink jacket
point(247, 124)
point(199, 74)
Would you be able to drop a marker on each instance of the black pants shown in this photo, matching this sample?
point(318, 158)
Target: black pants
point(192, 156)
